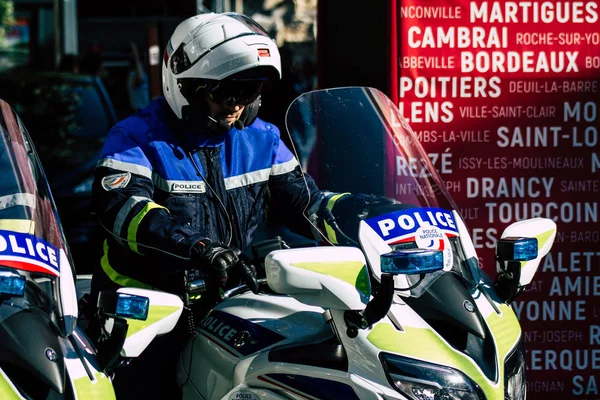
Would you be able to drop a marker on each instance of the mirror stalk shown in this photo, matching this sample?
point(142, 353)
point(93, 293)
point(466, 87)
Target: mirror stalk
point(507, 282)
point(375, 310)
point(109, 350)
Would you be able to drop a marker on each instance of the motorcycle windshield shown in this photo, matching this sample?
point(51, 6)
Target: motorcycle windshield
point(355, 140)
point(31, 239)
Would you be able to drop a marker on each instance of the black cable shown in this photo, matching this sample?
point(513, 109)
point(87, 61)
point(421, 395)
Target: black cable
point(194, 337)
point(140, 244)
point(216, 196)
point(421, 277)
point(330, 219)
point(189, 370)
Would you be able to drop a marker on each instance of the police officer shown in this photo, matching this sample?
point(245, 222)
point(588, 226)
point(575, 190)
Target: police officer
point(185, 178)
point(182, 183)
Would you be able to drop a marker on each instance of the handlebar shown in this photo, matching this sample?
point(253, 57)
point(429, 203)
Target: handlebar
point(241, 289)
point(195, 287)
point(195, 282)
point(249, 276)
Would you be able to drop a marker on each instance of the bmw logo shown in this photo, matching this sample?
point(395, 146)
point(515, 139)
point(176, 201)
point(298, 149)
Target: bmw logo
point(51, 354)
point(468, 306)
point(240, 339)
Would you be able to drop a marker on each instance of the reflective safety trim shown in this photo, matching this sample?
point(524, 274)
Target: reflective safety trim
point(425, 344)
point(331, 235)
point(100, 388)
point(247, 179)
point(284, 168)
point(18, 225)
point(352, 272)
point(155, 314)
point(116, 277)
point(543, 238)
point(125, 166)
point(124, 212)
point(178, 186)
point(8, 391)
point(17, 199)
point(135, 223)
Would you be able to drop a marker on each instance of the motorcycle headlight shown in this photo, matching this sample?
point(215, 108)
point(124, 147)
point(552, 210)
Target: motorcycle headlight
point(515, 385)
point(420, 380)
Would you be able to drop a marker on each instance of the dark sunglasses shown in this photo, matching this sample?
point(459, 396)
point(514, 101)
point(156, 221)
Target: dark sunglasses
point(232, 93)
point(229, 93)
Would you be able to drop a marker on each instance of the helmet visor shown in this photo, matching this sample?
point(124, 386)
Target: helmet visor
point(231, 93)
point(227, 92)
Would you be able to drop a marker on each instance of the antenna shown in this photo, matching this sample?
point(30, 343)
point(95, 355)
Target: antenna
point(201, 8)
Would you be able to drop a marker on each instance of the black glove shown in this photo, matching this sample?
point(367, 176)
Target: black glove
point(359, 206)
point(215, 259)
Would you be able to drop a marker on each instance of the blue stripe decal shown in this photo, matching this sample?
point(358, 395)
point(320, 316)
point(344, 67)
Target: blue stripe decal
point(323, 389)
point(237, 334)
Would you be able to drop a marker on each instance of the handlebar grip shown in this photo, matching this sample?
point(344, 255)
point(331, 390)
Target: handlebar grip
point(249, 276)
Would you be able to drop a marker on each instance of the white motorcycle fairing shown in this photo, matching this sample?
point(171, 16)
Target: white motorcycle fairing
point(447, 333)
point(258, 345)
point(44, 354)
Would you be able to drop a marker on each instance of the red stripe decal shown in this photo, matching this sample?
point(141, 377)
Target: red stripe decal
point(27, 267)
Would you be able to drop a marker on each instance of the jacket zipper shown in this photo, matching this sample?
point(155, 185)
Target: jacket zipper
point(216, 180)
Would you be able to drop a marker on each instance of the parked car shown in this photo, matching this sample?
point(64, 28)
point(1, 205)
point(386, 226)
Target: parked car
point(68, 117)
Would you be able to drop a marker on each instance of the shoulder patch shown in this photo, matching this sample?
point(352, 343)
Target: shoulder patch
point(116, 181)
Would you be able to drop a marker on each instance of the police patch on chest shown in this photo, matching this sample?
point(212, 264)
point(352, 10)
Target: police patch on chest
point(116, 181)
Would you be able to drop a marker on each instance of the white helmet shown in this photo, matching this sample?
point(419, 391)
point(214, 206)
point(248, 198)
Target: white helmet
point(225, 56)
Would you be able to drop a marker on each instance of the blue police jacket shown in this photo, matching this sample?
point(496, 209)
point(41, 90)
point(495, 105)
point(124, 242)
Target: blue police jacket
point(158, 189)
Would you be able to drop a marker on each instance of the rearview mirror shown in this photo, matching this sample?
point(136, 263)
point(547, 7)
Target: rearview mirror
point(328, 277)
point(543, 230)
point(518, 255)
point(133, 318)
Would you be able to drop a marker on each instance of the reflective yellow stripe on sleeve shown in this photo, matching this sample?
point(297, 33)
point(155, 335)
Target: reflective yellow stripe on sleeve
point(135, 223)
point(116, 277)
point(330, 231)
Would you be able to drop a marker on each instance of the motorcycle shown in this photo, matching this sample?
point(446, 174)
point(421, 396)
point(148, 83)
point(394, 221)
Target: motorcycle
point(44, 352)
point(396, 306)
